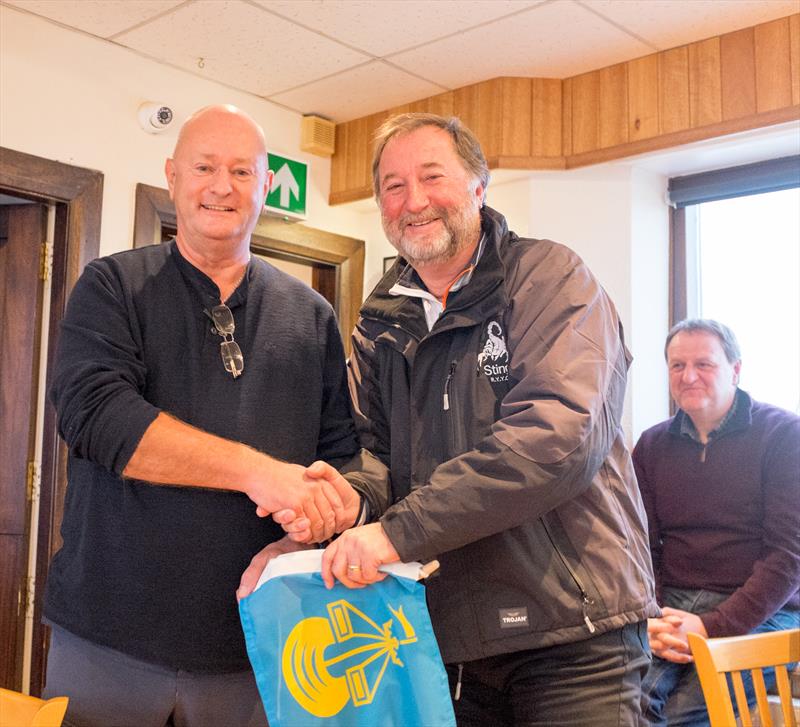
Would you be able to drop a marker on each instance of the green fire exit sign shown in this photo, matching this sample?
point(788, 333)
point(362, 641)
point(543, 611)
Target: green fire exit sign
point(287, 195)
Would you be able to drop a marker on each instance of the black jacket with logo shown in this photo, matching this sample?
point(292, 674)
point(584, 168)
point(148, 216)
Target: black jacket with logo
point(501, 429)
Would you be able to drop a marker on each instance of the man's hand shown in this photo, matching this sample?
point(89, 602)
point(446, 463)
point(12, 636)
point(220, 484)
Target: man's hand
point(667, 635)
point(289, 490)
point(253, 571)
point(338, 490)
point(354, 557)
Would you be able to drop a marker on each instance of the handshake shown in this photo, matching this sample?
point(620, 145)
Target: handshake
point(311, 503)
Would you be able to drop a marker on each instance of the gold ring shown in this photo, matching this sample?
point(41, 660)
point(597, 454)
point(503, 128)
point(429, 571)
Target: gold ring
point(353, 567)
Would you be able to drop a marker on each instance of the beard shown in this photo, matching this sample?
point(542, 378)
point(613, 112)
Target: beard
point(459, 229)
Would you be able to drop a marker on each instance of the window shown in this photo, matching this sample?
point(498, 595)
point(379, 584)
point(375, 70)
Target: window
point(736, 258)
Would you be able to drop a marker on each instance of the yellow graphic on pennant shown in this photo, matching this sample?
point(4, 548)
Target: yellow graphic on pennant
point(307, 667)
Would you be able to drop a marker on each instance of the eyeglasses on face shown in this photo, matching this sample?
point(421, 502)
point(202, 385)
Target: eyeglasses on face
point(229, 350)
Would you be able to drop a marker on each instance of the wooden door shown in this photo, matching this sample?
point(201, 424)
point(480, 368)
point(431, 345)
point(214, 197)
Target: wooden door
point(22, 231)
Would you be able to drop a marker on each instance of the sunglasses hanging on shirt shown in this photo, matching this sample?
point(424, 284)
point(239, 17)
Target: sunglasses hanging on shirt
point(229, 350)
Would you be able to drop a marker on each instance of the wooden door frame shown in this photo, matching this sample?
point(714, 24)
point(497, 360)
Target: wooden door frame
point(154, 208)
point(78, 195)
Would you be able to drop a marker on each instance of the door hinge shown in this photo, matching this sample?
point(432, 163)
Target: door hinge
point(33, 483)
point(46, 260)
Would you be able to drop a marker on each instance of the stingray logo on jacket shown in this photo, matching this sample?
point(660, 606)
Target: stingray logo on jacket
point(493, 358)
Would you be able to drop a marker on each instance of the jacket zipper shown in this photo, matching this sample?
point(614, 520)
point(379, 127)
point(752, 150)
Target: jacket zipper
point(446, 398)
point(585, 600)
point(453, 416)
point(457, 693)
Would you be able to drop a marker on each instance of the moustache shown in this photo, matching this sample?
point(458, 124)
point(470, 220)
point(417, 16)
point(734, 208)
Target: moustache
point(407, 220)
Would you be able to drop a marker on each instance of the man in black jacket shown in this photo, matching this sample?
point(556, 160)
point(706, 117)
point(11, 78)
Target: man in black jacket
point(488, 375)
point(177, 386)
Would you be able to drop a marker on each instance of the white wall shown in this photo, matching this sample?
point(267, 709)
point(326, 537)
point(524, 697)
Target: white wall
point(73, 98)
point(649, 299)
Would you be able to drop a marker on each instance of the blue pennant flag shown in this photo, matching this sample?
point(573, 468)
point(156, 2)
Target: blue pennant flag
point(344, 658)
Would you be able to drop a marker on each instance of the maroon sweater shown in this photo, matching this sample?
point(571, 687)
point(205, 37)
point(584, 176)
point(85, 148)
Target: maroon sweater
point(726, 519)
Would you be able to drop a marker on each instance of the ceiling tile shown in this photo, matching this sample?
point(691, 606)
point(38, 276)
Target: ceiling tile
point(241, 45)
point(357, 92)
point(555, 40)
point(98, 17)
point(670, 23)
point(390, 26)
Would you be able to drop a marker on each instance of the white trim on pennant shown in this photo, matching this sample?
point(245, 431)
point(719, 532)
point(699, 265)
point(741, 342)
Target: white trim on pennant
point(310, 561)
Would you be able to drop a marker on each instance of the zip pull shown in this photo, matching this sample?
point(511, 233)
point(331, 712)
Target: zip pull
point(446, 397)
point(457, 694)
point(589, 625)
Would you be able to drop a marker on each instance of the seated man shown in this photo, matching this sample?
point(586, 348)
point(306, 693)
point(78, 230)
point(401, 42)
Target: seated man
point(721, 486)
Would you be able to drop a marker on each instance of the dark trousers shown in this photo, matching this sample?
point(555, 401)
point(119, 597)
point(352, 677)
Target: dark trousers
point(109, 689)
point(591, 683)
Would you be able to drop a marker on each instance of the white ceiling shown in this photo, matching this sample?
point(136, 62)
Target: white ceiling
point(348, 58)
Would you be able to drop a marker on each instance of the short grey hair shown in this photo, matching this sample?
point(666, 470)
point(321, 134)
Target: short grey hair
point(706, 325)
point(465, 143)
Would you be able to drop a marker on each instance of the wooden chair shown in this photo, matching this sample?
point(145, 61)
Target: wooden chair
point(714, 658)
point(21, 710)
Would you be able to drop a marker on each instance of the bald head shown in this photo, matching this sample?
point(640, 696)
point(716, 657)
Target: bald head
point(222, 119)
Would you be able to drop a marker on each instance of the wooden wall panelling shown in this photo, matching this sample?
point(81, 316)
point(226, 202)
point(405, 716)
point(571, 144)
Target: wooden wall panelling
point(373, 123)
point(643, 97)
point(465, 106)
point(479, 106)
point(566, 116)
point(490, 114)
point(516, 116)
point(339, 161)
point(772, 51)
point(441, 104)
point(742, 80)
point(546, 117)
point(358, 135)
point(705, 90)
point(794, 55)
point(613, 108)
point(737, 65)
point(673, 90)
point(585, 109)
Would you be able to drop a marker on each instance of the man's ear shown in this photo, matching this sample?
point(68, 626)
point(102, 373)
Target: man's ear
point(737, 367)
point(267, 184)
point(169, 172)
point(480, 193)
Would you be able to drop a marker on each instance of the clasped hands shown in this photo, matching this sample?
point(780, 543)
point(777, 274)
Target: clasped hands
point(667, 635)
point(322, 504)
point(317, 500)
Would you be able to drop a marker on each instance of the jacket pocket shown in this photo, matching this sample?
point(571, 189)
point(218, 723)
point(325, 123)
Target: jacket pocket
point(524, 587)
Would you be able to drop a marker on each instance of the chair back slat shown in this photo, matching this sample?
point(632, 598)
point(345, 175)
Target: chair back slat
point(785, 693)
point(761, 698)
point(741, 699)
point(714, 658)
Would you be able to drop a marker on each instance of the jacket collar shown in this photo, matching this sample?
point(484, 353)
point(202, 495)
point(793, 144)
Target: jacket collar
point(482, 295)
point(738, 418)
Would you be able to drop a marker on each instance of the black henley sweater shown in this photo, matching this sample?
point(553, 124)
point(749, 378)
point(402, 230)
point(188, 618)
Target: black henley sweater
point(152, 570)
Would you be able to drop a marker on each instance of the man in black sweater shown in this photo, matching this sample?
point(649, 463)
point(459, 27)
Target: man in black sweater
point(194, 385)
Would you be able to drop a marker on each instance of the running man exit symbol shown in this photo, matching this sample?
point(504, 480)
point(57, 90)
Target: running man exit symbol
point(289, 186)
